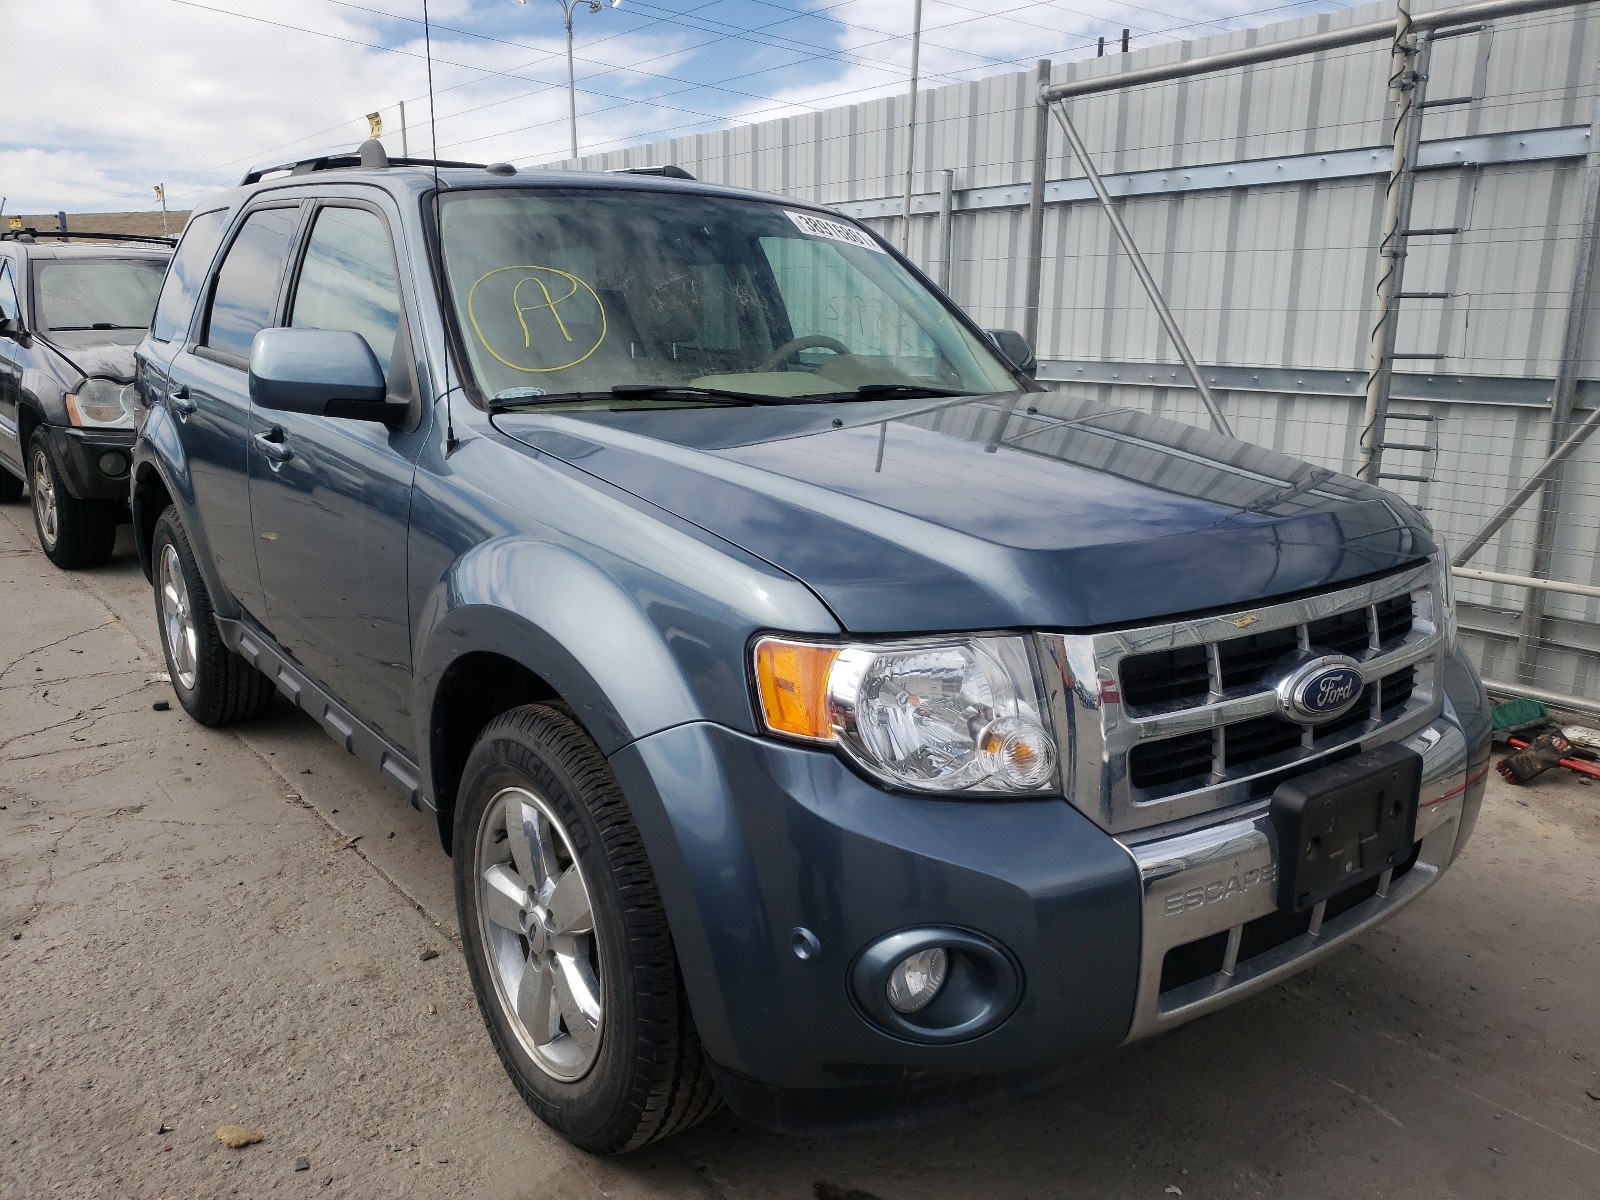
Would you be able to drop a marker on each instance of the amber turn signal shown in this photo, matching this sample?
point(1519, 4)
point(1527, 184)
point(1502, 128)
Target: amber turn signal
point(792, 679)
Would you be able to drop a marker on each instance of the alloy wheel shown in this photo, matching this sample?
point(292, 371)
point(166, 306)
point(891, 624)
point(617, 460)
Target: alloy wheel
point(177, 619)
point(44, 499)
point(538, 933)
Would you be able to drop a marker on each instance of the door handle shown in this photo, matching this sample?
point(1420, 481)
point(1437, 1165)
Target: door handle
point(274, 447)
point(181, 403)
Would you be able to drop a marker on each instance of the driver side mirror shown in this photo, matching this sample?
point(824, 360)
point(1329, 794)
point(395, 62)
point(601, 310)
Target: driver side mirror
point(1015, 350)
point(12, 328)
point(324, 372)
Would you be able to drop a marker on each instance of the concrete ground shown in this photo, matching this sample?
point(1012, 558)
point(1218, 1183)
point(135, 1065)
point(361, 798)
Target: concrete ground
point(188, 939)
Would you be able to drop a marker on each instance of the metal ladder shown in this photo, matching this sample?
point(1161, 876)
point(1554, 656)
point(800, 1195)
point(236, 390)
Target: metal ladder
point(1412, 78)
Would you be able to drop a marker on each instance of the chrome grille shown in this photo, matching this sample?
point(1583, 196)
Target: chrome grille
point(1175, 720)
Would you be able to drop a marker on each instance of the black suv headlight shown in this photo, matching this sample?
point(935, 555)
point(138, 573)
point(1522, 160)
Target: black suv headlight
point(948, 715)
point(102, 404)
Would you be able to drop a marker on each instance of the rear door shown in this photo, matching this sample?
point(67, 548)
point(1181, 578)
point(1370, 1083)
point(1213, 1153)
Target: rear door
point(208, 391)
point(330, 496)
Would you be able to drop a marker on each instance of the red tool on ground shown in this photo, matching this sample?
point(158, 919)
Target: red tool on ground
point(1535, 757)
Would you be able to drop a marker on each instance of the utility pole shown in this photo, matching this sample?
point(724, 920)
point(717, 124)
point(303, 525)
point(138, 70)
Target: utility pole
point(911, 129)
point(405, 141)
point(161, 195)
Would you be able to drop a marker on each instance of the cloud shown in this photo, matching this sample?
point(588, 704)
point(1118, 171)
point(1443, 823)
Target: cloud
point(105, 98)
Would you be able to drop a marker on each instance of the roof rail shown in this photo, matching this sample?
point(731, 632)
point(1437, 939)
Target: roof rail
point(369, 156)
point(670, 171)
point(31, 235)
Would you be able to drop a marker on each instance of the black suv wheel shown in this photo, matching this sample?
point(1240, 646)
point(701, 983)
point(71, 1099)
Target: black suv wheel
point(72, 532)
point(566, 940)
point(214, 684)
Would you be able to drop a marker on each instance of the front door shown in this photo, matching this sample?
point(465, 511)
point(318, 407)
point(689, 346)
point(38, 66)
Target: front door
point(12, 453)
point(331, 497)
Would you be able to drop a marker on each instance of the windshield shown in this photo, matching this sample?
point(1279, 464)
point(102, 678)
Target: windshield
point(102, 293)
point(558, 293)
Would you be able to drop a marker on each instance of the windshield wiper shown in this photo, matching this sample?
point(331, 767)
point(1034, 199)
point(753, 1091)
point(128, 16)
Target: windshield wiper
point(909, 390)
point(96, 325)
point(639, 391)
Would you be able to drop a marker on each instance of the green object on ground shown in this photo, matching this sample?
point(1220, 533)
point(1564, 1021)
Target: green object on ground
point(1509, 714)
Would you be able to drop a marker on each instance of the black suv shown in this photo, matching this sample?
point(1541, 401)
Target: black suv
point(71, 311)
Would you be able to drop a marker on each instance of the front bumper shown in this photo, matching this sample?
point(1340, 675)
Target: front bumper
point(78, 454)
point(1213, 933)
point(752, 841)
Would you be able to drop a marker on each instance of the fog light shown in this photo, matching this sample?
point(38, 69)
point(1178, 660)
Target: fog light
point(113, 463)
point(916, 979)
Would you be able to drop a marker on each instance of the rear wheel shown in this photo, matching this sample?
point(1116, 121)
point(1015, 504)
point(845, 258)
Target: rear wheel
point(567, 942)
point(72, 532)
point(214, 685)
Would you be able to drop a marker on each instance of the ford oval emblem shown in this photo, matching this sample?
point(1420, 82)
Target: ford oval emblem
point(1321, 689)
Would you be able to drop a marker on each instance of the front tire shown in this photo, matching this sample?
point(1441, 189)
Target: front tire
point(73, 533)
point(567, 942)
point(214, 685)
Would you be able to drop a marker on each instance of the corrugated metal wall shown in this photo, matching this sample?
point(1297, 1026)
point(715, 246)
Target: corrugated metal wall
point(1273, 281)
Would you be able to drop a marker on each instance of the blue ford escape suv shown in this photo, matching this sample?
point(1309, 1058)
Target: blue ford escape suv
point(820, 716)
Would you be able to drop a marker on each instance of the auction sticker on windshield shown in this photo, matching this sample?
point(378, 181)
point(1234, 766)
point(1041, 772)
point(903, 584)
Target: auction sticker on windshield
point(837, 231)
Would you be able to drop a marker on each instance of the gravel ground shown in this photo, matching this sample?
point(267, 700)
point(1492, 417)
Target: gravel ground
point(189, 939)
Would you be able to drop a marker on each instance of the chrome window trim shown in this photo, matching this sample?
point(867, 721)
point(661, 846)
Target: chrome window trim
point(1096, 730)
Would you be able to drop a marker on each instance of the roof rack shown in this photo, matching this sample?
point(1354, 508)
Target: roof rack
point(670, 171)
point(369, 156)
point(30, 235)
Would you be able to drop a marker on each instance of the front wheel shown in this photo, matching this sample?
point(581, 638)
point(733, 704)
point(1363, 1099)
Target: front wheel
point(566, 940)
point(72, 532)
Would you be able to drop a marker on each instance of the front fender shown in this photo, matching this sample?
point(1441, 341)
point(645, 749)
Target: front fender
point(572, 626)
point(158, 455)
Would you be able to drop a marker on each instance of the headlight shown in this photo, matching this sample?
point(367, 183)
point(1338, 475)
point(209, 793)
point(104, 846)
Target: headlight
point(1444, 618)
point(947, 715)
point(103, 404)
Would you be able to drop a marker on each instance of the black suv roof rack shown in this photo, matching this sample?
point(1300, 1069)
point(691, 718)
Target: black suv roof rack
point(369, 156)
point(31, 235)
point(670, 171)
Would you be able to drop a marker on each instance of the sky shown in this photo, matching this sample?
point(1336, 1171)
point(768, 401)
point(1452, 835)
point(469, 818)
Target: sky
point(102, 99)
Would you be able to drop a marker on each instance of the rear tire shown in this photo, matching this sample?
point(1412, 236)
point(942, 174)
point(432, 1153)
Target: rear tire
point(11, 488)
point(73, 533)
point(567, 942)
point(214, 685)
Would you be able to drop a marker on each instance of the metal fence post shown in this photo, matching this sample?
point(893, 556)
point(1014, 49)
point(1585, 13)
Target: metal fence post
point(947, 203)
point(1561, 402)
point(1041, 163)
point(1151, 288)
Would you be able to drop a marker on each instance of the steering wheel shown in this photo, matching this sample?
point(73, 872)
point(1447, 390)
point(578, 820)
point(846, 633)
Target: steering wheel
point(789, 349)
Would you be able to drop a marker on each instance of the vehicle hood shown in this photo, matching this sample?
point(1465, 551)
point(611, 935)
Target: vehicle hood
point(1037, 510)
point(102, 352)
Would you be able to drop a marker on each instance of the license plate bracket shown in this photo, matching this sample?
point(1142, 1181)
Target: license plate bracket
point(1344, 823)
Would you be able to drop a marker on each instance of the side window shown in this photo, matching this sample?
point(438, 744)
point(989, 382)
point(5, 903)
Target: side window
point(188, 269)
point(8, 292)
point(347, 280)
point(246, 293)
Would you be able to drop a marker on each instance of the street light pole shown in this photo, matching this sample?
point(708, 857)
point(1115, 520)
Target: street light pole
point(911, 129)
point(569, 9)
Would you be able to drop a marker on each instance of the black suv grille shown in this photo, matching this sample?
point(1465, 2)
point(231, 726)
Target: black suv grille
point(1166, 678)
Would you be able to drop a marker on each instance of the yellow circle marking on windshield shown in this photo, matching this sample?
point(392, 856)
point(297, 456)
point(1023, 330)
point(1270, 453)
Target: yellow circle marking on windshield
point(539, 298)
